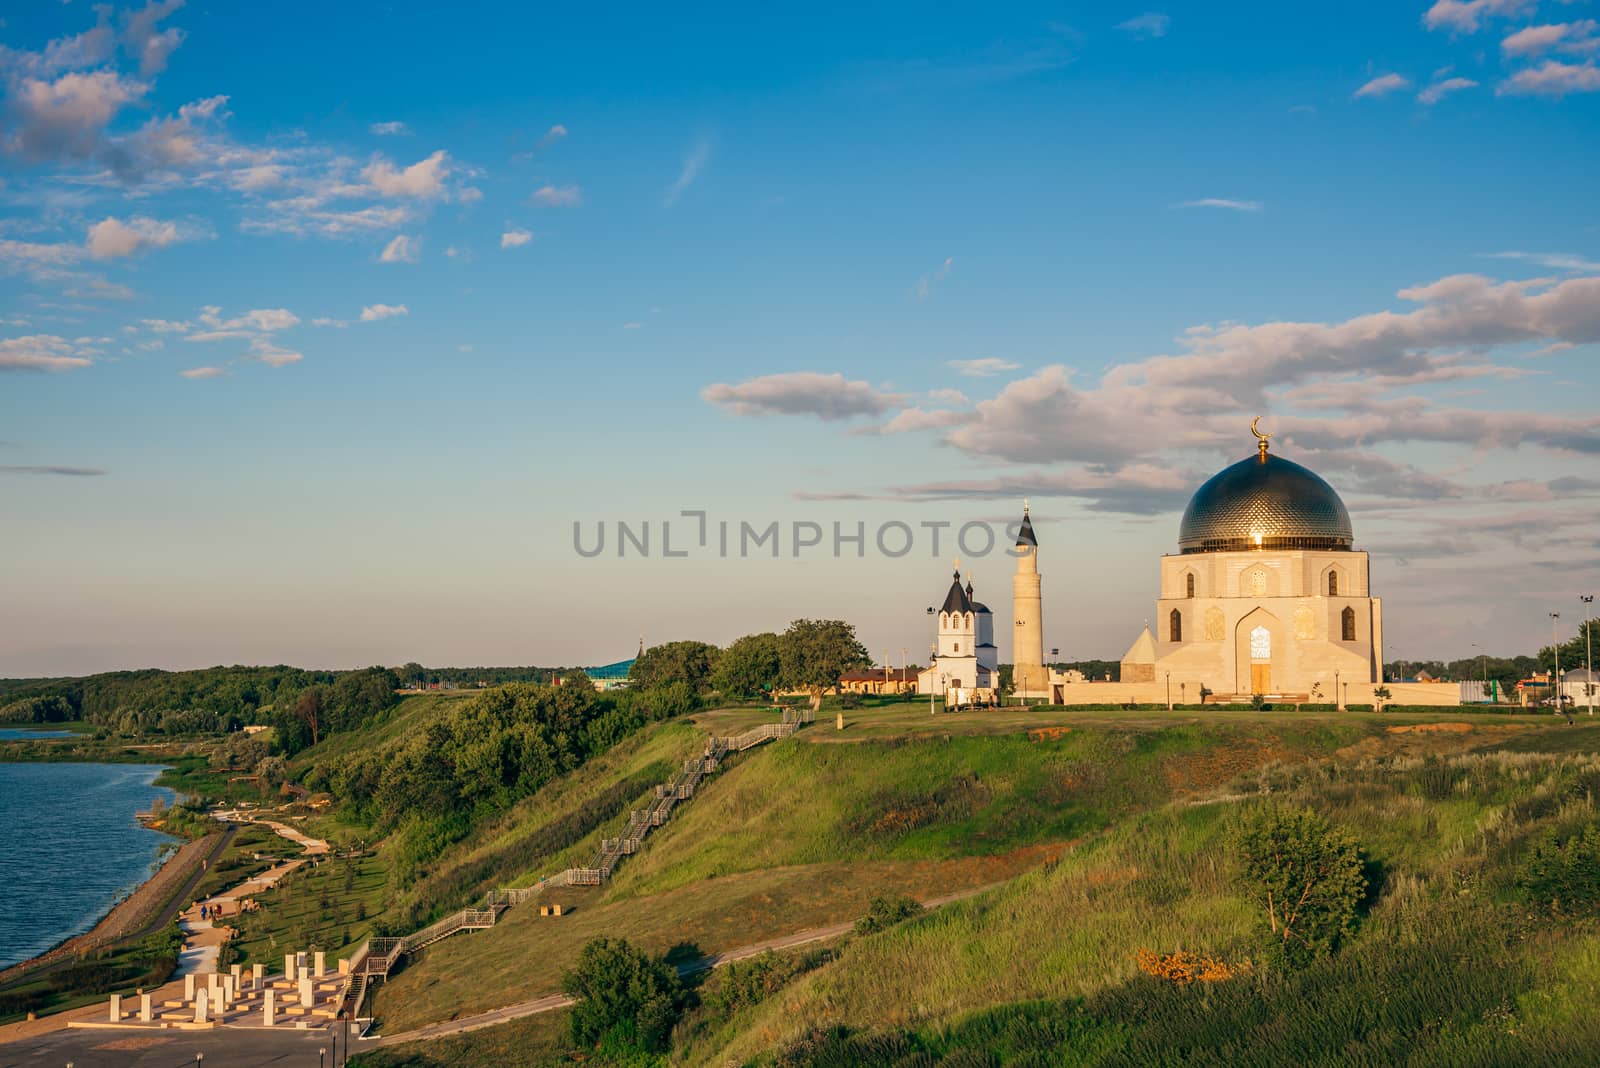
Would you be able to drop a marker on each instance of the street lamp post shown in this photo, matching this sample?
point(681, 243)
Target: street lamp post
point(1555, 660)
point(1169, 691)
point(903, 669)
point(1588, 652)
point(1338, 705)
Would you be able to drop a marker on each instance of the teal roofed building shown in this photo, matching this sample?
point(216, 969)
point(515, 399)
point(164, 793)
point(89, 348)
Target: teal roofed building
point(611, 676)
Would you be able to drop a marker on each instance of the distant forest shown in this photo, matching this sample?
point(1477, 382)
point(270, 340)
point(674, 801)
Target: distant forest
point(303, 705)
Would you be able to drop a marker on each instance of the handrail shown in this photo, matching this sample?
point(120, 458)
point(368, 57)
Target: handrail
point(377, 956)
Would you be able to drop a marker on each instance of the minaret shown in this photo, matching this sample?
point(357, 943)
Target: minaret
point(1028, 676)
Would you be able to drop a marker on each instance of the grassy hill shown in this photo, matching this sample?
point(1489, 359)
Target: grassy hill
point(1100, 835)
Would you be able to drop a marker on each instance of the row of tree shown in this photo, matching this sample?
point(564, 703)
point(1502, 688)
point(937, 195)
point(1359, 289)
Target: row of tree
point(811, 655)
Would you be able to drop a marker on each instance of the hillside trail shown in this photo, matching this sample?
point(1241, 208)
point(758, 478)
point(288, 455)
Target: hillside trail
point(203, 938)
point(553, 1002)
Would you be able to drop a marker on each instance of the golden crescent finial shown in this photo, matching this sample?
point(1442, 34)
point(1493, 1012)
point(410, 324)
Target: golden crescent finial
point(1261, 439)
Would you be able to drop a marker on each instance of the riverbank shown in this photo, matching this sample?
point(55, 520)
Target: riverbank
point(202, 939)
point(151, 905)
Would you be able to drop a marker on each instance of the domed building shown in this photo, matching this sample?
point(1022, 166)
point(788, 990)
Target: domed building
point(1266, 594)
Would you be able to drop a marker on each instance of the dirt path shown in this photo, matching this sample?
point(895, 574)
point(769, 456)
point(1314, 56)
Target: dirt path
point(552, 1002)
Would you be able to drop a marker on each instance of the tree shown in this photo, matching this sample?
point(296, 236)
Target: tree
point(686, 661)
point(749, 667)
point(625, 999)
point(1308, 877)
point(308, 710)
point(815, 652)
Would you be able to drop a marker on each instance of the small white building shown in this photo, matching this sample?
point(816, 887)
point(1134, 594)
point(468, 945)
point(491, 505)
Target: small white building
point(965, 668)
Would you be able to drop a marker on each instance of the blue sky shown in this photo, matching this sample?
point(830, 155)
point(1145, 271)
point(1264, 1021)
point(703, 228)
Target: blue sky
point(320, 326)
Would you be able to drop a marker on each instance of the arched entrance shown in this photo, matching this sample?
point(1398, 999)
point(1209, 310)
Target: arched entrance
point(1258, 638)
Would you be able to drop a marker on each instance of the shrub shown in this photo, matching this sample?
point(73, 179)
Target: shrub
point(746, 983)
point(884, 912)
point(1308, 877)
point(627, 1000)
point(1563, 873)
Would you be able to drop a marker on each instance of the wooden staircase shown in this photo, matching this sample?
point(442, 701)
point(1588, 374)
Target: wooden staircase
point(376, 957)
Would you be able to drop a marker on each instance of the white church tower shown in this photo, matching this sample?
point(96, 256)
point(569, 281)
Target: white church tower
point(965, 659)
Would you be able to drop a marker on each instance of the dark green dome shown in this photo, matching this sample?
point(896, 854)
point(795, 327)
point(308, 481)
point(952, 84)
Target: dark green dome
point(1265, 502)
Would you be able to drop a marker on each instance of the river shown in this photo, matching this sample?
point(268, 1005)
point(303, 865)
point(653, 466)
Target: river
point(71, 848)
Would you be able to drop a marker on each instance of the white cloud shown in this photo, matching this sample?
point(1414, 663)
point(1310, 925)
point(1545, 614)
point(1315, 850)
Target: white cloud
point(1150, 24)
point(1553, 78)
point(515, 238)
point(552, 135)
point(1580, 36)
point(1383, 85)
point(1559, 261)
point(912, 420)
point(373, 312)
point(1222, 202)
point(305, 215)
point(252, 324)
point(271, 354)
point(926, 283)
point(111, 237)
point(41, 352)
point(402, 249)
point(65, 119)
point(142, 40)
point(423, 180)
point(982, 367)
point(551, 196)
point(694, 162)
point(1439, 90)
point(826, 396)
point(166, 326)
point(202, 372)
point(388, 129)
point(35, 254)
point(1464, 16)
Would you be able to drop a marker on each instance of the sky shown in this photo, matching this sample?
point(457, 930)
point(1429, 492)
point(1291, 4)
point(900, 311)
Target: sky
point(338, 334)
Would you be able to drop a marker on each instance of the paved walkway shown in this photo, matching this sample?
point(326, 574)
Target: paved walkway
point(203, 939)
point(552, 1002)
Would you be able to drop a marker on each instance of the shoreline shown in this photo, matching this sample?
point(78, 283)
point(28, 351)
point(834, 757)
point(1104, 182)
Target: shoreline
point(127, 915)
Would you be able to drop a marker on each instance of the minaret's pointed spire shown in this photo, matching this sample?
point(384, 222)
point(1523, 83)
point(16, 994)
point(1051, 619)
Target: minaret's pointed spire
point(1025, 535)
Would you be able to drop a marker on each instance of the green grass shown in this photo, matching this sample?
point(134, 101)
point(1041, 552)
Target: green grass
point(147, 962)
point(331, 906)
point(806, 832)
point(1449, 967)
point(531, 1042)
point(405, 717)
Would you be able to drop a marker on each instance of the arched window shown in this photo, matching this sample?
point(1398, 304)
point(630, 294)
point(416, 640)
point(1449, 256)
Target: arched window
point(1347, 624)
point(1333, 584)
point(1175, 626)
point(1188, 584)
